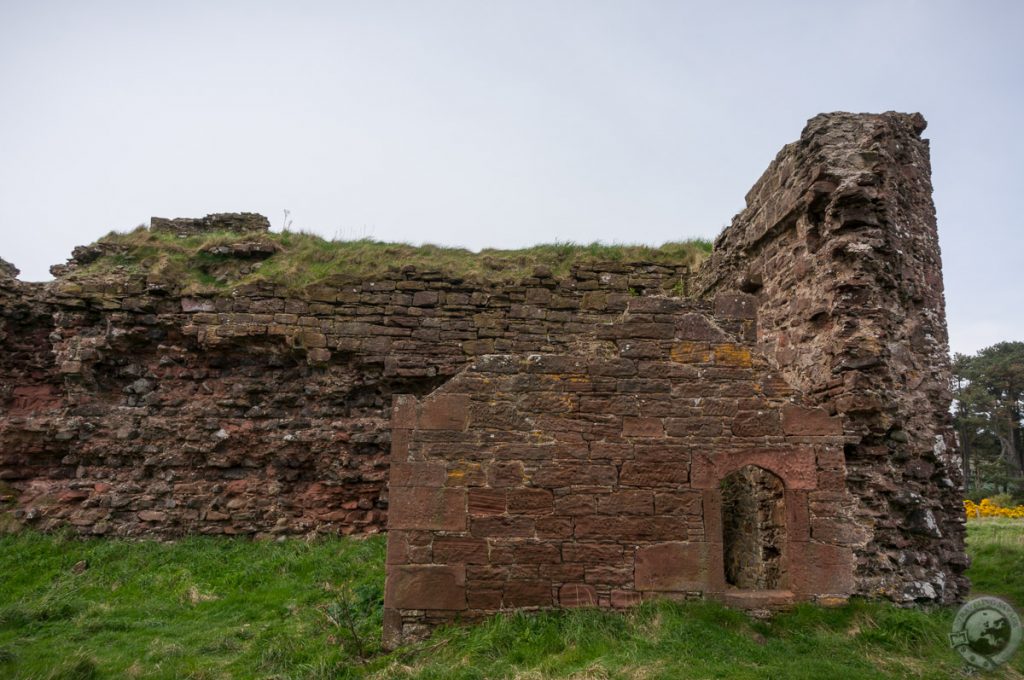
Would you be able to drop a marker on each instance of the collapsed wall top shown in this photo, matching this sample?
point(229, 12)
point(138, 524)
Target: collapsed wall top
point(238, 222)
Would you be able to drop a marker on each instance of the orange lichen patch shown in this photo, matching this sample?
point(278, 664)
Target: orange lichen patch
point(686, 352)
point(559, 379)
point(540, 437)
point(568, 402)
point(464, 473)
point(732, 355)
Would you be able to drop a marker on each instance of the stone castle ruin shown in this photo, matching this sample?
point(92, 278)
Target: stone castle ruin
point(769, 428)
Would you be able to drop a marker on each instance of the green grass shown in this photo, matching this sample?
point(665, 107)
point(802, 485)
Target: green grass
point(302, 259)
point(232, 608)
point(997, 548)
point(198, 608)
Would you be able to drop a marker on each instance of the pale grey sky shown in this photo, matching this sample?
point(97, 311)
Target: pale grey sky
point(479, 123)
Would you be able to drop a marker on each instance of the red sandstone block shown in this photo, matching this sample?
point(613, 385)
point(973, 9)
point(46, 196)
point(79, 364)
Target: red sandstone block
point(625, 598)
point(735, 306)
point(500, 551)
point(757, 424)
point(483, 598)
point(674, 566)
point(819, 568)
point(409, 547)
point(442, 509)
point(562, 573)
point(463, 473)
point(639, 349)
point(417, 474)
point(556, 364)
point(774, 385)
point(559, 475)
point(697, 327)
point(836, 531)
point(619, 368)
point(653, 331)
point(577, 595)
point(576, 504)
point(523, 571)
point(798, 522)
point(831, 480)
point(689, 352)
point(536, 553)
point(642, 427)
point(530, 501)
point(425, 298)
point(426, 587)
point(454, 550)
point(527, 594)
point(501, 527)
point(605, 575)
point(623, 405)
point(486, 575)
point(604, 527)
point(643, 386)
point(606, 450)
point(397, 552)
point(444, 412)
point(693, 427)
point(654, 474)
point(591, 553)
point(797, 420)
point(541, 402)
point(662, 451)
point(677, 503)
point(403, 412)
point(675, 370)
point(476, 347)
point(626, 503)
point(553, 527)
point(727, 407)
point(487, 502)
point(505, 474)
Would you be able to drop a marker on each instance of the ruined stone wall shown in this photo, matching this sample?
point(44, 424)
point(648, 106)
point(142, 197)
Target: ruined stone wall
point(565, 440)
point(594, 478)
point(128, 408)
point(838, 246)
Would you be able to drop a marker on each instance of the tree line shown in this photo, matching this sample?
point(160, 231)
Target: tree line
point(988, 392)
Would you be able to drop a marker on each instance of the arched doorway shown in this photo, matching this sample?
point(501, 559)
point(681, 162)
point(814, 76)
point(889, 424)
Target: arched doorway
point(753, 529)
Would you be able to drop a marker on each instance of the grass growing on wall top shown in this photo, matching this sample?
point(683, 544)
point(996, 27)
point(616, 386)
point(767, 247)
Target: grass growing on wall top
point(232, 608)
point(303, 258)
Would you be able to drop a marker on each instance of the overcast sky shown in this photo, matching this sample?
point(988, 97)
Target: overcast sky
point(497, 124)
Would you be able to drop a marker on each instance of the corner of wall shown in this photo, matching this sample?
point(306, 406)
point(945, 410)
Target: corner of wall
point(838, 244)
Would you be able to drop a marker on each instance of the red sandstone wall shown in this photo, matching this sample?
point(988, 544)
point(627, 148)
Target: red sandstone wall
point(838, 243)
point(127, 408)
point(595, 478)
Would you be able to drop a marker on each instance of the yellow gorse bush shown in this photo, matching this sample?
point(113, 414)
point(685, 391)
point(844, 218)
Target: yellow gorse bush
point(986, 508)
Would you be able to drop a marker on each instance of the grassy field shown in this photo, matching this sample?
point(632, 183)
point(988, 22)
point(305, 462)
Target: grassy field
point(224, 608)
point(300, 259)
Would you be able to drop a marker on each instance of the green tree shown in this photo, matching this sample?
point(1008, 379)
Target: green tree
point(989, 389)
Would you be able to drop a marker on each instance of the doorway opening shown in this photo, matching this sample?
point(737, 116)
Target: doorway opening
point(753, 529)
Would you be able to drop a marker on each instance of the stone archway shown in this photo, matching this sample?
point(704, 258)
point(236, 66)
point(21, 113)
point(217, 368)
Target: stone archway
point(754, 529)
